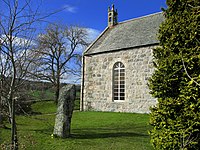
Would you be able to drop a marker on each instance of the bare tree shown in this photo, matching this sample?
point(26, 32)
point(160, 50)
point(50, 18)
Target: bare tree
point(17, 28)
point(75, 70)
point(57, 47)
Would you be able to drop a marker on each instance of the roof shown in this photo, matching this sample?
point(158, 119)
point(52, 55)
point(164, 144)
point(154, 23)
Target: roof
point(131, 33)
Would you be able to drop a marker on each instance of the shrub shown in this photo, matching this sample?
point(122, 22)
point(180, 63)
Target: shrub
point(176, 80)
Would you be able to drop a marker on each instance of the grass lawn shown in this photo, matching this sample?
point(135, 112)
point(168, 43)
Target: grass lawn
point(90, 131)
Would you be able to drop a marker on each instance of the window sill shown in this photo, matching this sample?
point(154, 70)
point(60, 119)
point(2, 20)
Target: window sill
point(119, 101)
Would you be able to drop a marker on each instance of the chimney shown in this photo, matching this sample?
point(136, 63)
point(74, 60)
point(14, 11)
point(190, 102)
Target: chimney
point(112, 16)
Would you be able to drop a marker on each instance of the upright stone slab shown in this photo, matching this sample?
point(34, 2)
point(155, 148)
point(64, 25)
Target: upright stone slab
point(64, 111)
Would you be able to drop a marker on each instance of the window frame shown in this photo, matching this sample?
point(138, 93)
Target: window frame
point(118, 88)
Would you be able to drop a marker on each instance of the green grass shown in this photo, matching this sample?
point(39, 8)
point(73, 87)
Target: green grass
point(90, 131)
point(44, 107)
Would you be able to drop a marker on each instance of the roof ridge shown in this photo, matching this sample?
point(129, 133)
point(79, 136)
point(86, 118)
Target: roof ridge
point(141, 17)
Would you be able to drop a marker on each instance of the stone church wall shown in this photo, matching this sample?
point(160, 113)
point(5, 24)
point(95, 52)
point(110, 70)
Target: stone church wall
point(98, 81)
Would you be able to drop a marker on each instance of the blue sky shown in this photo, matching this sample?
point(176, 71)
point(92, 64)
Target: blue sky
point(93, 13)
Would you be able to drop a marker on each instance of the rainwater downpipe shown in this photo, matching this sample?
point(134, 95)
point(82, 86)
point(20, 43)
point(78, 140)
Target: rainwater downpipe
point(83, 82)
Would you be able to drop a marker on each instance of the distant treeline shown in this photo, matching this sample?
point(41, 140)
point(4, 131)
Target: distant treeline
point(39, 85)
point(34, 91)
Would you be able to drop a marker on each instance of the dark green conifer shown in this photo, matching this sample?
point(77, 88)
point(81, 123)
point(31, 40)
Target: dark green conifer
point(176, 80)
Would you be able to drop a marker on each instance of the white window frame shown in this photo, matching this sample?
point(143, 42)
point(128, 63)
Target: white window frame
point(119, 82)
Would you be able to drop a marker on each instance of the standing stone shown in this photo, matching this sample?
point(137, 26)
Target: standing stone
point(65, 108)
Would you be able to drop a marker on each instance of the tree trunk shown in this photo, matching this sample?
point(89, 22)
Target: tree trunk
point(57, 86)
point(14, 140)
point(57, 94)
point(1, 119)
point(1, 116)
point(11, 100)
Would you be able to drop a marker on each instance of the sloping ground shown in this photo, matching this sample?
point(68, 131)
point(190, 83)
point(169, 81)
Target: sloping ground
point(90, 131)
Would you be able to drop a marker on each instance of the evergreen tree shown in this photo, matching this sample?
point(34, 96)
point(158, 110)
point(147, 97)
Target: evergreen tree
point(176, 80)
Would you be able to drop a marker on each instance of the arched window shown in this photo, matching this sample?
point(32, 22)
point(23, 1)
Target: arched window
point(118, 81)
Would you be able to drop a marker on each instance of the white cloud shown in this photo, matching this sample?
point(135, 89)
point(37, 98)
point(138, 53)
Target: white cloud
point(71, 79)
point(92, 34)
point(70, 8)
point(17, 41)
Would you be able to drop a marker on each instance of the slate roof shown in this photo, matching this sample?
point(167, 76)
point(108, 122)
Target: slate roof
point(132, 33)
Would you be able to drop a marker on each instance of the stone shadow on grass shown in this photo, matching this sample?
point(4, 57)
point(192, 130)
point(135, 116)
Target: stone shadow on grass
point(106, 135)
point(103, 133)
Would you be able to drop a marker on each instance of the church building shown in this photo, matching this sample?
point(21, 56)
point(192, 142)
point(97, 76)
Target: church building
point(118, 64)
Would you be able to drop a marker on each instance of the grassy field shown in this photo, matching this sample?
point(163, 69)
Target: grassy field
point(90, 131)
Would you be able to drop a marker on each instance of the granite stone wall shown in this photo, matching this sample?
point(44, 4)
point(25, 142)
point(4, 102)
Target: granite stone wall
point(98, 86)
